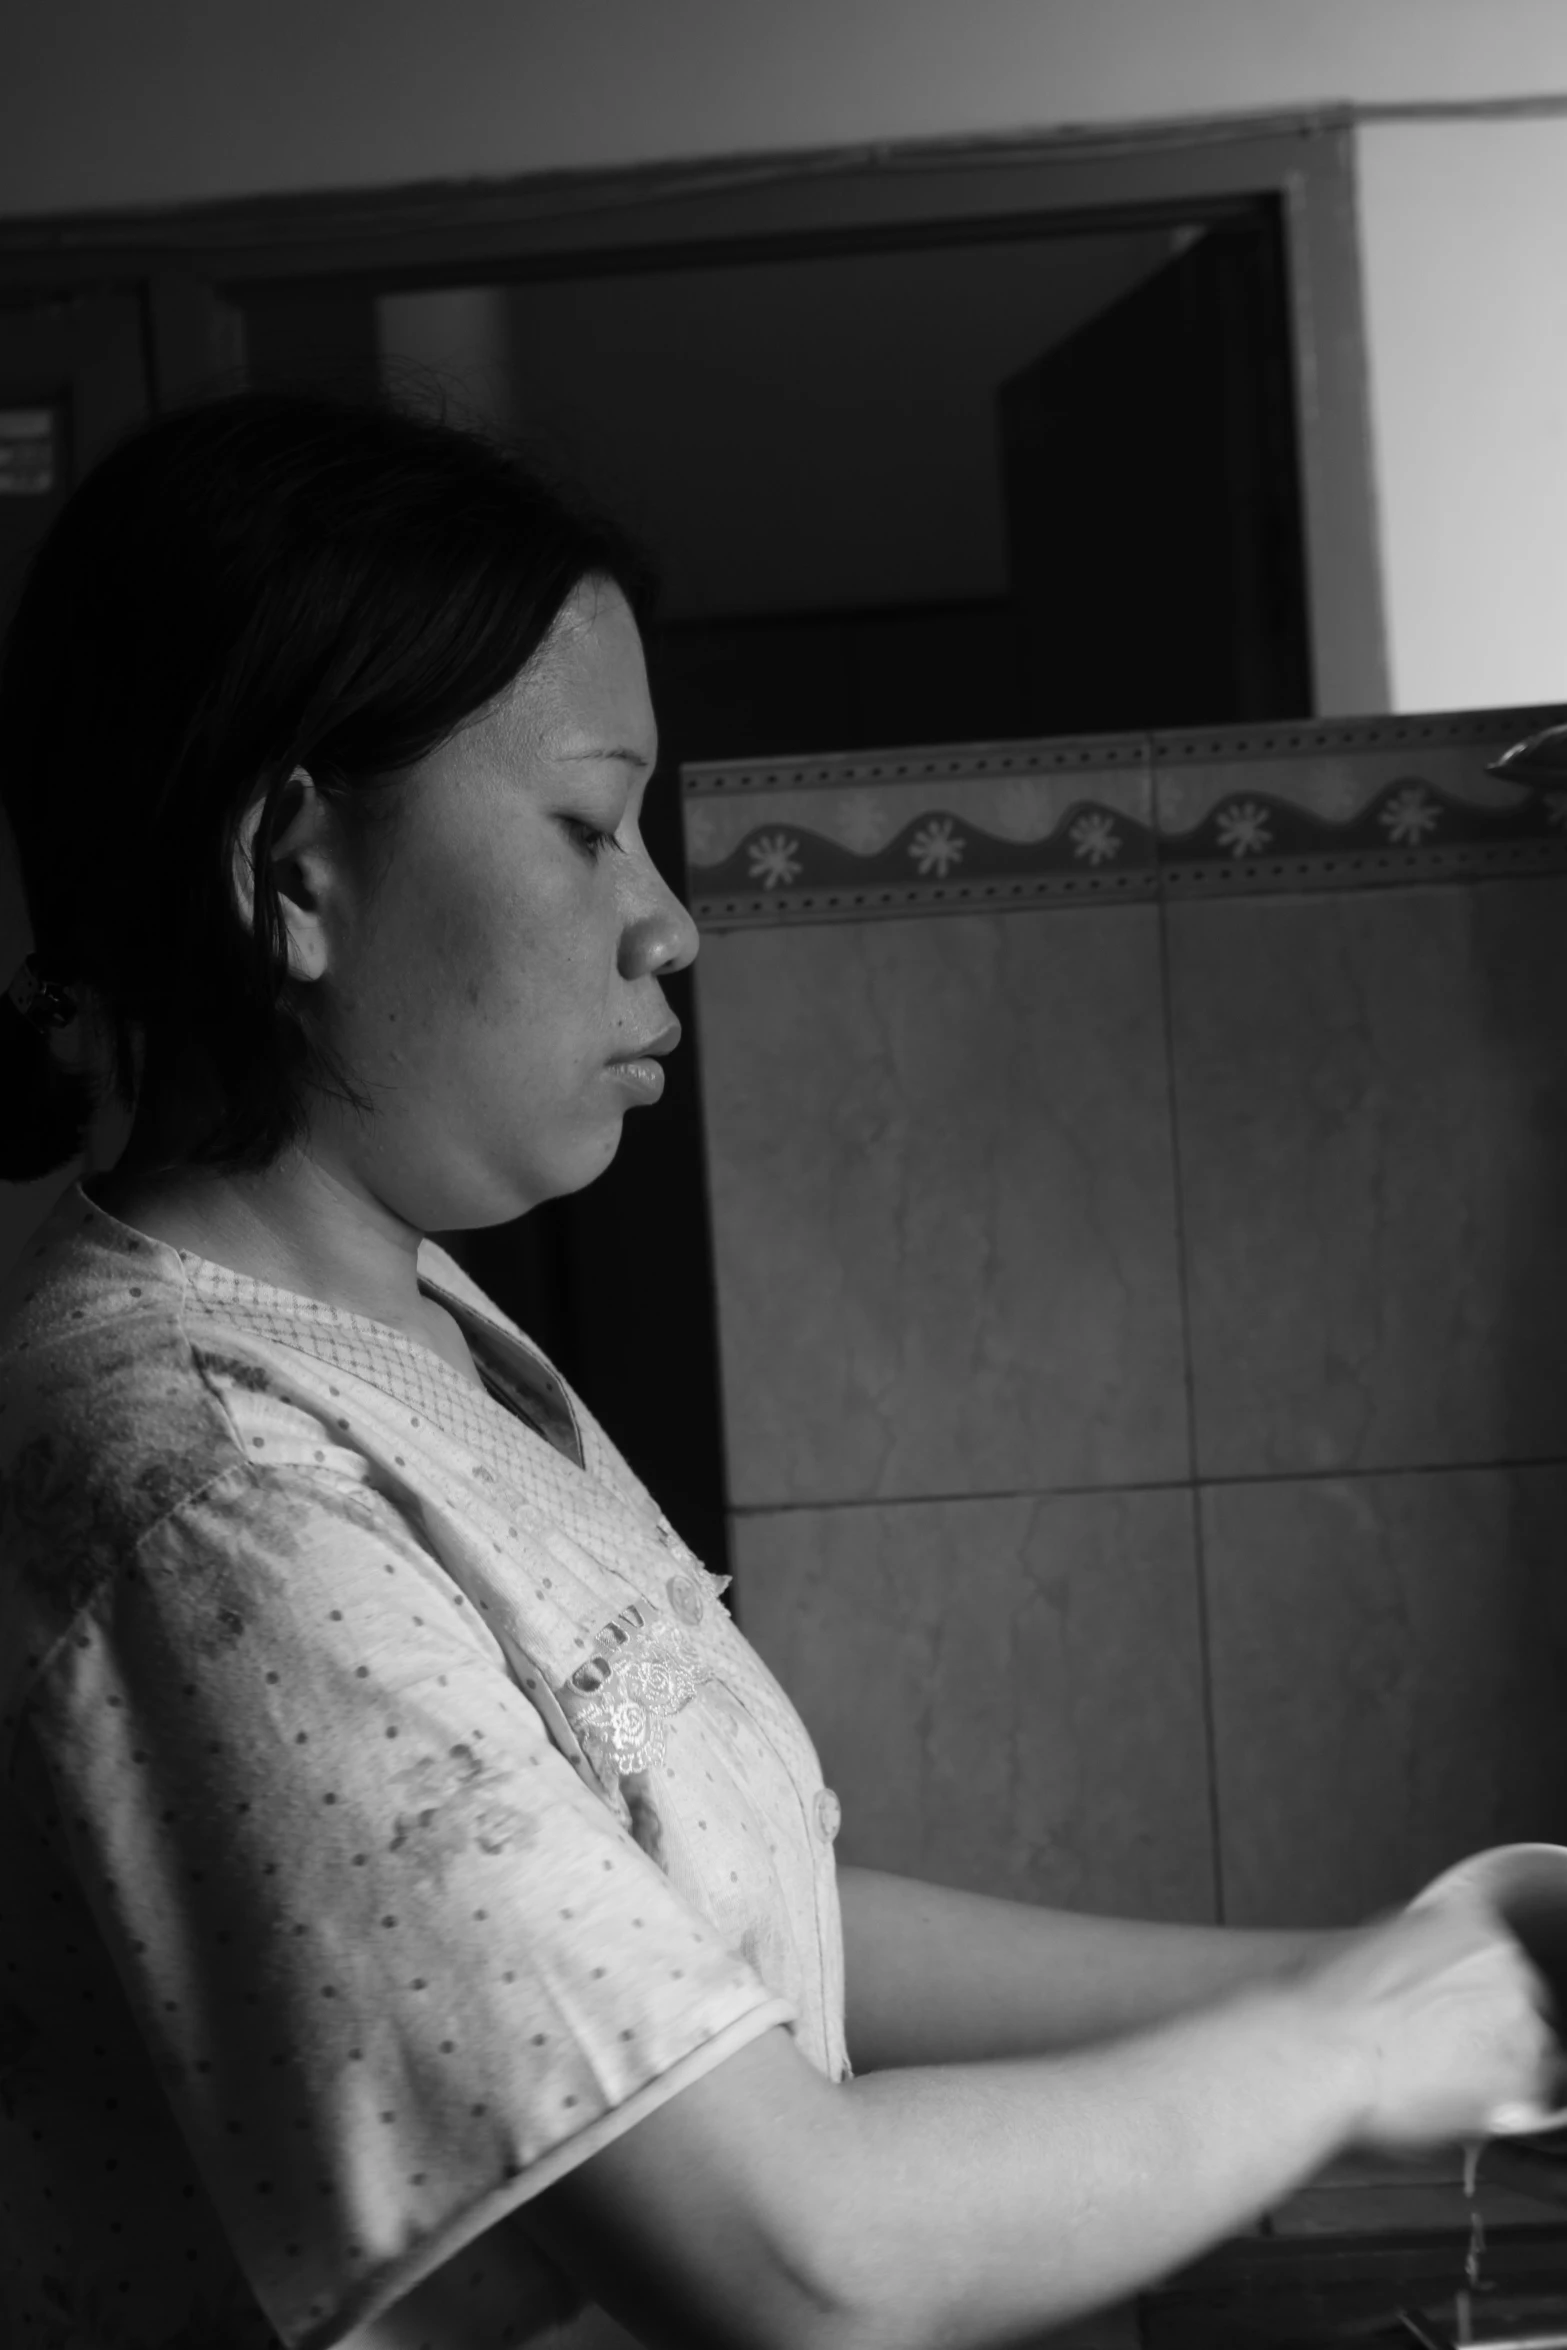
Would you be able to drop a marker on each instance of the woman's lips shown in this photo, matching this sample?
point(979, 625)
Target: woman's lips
point(639, 1071)
point(643, 1078)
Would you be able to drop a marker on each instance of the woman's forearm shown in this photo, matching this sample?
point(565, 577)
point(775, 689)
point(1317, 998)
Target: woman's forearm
point(936, 1976)
point(1065, 2183)
point(766, 2208)
point(958, 2206)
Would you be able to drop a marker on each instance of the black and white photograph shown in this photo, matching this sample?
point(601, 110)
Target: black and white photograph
point(783, 1175)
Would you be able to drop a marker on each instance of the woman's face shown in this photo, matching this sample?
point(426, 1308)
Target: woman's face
point(482, 986)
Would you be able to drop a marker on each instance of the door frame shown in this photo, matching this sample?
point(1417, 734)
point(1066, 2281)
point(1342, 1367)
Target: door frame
point(192, 265)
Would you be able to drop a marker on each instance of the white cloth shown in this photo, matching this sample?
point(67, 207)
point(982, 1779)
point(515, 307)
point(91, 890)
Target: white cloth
point(391, 1813)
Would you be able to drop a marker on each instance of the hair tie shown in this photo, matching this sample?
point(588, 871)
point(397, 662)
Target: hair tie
point(44, 1004)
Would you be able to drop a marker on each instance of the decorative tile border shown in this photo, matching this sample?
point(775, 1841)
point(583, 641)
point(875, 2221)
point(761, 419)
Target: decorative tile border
point(1342, 804)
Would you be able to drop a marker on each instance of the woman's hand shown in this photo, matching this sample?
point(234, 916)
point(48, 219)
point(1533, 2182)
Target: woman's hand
point(1448, 2018)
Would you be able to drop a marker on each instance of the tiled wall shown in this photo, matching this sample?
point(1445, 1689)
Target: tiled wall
point(1139, 1179)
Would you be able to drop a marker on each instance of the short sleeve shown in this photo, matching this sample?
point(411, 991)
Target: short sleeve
point(396, 1964)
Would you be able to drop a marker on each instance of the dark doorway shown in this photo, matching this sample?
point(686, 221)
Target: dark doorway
point(1152, 548)
point(73, 378)
point(1153, 504)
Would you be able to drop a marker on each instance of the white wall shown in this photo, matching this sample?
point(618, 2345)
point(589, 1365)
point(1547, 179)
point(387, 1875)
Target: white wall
point(104, 104)
point(1464, 240)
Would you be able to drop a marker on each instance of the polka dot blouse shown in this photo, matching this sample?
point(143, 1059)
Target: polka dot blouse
point(391, 1813)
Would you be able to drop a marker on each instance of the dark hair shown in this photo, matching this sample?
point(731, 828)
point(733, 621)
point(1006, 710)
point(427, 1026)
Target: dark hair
point(262, 582)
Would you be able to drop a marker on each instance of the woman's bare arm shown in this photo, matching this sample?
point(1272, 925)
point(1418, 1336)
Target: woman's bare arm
point(937, 1976)
point(970, 2205)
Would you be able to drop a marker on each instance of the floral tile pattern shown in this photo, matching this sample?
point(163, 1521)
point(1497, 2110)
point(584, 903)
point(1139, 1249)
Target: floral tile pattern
point(962, 828)
point(1234, 811)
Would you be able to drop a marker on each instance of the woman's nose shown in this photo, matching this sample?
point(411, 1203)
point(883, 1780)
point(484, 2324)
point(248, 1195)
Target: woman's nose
point(659, 934)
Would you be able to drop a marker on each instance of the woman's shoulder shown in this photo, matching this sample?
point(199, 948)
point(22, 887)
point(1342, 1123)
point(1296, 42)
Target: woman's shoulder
point(106, 1423)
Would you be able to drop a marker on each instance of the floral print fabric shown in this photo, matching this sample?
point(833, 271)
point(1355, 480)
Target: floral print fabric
point(391, 1814)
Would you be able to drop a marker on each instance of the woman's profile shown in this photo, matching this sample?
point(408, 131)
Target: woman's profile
point(421, 1918)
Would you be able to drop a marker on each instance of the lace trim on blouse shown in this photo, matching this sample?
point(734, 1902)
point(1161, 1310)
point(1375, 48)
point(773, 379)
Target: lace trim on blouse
point(642, 1671)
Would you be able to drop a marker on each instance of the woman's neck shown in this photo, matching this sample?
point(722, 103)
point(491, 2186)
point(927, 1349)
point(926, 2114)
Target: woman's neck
point(298, 1228)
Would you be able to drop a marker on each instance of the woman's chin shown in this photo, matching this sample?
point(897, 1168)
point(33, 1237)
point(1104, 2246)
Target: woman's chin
point(574, 1169)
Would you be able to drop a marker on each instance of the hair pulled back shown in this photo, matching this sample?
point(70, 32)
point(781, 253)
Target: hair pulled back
point(264, 582)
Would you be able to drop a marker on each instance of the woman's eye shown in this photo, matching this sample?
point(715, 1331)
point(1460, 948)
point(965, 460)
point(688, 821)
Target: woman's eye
point(589, 837)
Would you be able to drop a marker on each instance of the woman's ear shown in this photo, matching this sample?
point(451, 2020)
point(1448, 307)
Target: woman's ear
point(296, 861)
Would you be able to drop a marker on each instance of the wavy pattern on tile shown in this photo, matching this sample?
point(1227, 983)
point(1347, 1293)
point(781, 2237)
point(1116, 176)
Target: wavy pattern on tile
point(1234, 812)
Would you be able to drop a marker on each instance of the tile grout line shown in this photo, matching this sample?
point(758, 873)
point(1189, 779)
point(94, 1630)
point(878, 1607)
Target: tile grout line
point(1111, 1491)
point(1189, 1383)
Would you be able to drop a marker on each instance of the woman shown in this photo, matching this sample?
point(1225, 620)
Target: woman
point(420, 1910)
